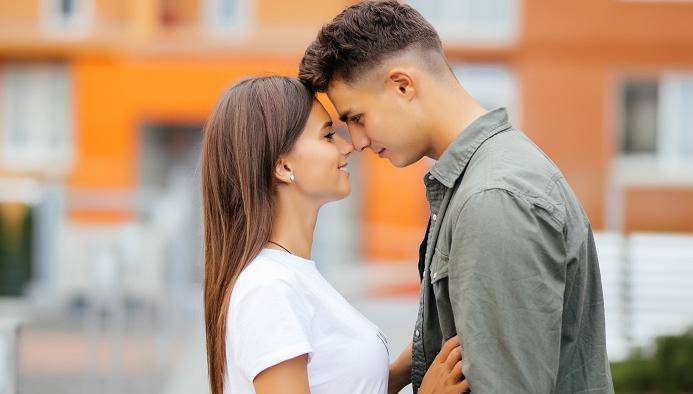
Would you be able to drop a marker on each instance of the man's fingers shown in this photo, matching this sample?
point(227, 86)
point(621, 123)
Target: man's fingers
point(456, 372)
point(452, 342)
point(454, 356)
point(462, 387)
point(447, 348)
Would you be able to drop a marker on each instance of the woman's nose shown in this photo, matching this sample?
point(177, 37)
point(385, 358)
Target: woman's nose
point(345, 147)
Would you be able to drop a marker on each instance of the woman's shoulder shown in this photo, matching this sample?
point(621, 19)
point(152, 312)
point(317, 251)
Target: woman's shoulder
point(264, 272)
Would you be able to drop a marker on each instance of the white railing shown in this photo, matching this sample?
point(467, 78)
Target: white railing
point(648, 287)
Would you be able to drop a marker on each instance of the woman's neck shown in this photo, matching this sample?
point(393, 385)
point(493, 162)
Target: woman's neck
point(293, 224)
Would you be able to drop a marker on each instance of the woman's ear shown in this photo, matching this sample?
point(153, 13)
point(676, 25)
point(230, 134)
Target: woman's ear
point(283, 171)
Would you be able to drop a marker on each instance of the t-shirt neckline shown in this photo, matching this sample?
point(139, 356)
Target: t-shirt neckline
point(286, 257)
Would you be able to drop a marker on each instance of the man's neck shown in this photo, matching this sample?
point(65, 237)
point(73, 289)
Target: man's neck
point(454, 113)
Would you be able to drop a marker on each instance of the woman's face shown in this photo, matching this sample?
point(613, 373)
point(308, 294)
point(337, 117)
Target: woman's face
point(318, 160)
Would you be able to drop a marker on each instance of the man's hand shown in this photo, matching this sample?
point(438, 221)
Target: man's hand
point(400, 371)
point(444, 375)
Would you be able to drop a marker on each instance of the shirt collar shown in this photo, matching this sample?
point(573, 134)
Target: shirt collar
point(455, 158)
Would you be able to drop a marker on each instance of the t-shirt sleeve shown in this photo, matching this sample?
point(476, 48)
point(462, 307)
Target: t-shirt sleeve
point(270, 324)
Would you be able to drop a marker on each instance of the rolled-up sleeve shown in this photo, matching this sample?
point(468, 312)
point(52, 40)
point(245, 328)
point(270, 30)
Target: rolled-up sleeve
point(506, 283)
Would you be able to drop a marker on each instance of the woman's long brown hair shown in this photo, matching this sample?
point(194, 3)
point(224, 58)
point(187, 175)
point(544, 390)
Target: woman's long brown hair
point(254, 122)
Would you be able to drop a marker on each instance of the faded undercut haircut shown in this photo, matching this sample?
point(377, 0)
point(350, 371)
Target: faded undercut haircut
point(364, 35)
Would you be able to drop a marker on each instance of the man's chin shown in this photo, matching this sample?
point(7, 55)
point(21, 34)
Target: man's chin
point(401, 162)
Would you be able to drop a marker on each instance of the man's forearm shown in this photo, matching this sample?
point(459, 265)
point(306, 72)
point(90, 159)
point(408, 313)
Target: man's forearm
point(400, 371)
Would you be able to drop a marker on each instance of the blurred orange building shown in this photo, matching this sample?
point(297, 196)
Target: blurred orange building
point(605, 87)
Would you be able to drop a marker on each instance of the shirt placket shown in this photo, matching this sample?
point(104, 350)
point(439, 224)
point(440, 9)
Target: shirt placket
point(437, 196)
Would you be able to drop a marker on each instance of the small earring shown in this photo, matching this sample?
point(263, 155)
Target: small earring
point(292, 177)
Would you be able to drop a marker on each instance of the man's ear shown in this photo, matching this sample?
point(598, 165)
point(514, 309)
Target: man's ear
point(402, 80)
point(283, 171)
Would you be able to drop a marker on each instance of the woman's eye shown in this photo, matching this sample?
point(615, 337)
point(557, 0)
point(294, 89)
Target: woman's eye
point(356, 119)
point(330, 135)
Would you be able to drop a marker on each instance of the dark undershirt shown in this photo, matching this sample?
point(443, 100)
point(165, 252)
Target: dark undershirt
point(422, 251)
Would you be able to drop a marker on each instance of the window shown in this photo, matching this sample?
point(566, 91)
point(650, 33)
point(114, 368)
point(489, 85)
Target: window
point(640, 100)
point(170, 13)
point(654, 118)
point(227, 15)
point(656, 129)
point(67, 15)
point(492, 86)
point(36, 129)
point(473, 22)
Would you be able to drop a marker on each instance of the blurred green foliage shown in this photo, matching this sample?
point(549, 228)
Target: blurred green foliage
point(668, 368)
point(16, 248)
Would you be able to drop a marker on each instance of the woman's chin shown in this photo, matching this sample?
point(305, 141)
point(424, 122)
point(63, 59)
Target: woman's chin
point(343, 192)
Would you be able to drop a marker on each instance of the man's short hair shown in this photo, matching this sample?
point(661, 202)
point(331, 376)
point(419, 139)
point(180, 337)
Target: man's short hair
point(361, 37)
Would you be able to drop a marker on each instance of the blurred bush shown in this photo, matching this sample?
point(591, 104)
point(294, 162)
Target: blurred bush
point(16, 227)
point(668, 368)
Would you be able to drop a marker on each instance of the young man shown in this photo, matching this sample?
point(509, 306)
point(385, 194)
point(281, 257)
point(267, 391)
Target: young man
point(508, 262)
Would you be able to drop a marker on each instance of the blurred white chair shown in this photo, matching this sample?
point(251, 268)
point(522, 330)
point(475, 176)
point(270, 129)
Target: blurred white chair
point(119, 271)
point(99, 262)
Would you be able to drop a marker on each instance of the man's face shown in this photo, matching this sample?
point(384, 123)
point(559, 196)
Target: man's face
point(379, 118)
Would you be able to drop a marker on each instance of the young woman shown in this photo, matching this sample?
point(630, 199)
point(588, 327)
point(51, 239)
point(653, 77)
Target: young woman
point(270, 160)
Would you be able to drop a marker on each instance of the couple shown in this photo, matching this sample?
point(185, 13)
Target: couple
point(508, 263)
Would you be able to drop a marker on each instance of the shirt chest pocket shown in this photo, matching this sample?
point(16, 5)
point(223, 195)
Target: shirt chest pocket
point(440, 285)
point(439, 266)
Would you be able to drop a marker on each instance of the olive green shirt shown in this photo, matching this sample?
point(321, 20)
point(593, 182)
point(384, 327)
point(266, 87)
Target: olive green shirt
point(511, 268)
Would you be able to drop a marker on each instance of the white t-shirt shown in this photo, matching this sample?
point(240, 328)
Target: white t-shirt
point(282, 307)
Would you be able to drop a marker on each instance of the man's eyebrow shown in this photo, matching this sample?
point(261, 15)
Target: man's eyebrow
point(345, 115)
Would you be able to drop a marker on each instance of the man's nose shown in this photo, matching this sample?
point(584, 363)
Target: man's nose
point(359, 139)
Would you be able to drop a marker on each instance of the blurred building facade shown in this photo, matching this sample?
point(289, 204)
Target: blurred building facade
point(102, 108)
point(103, 102)
point(603, 87)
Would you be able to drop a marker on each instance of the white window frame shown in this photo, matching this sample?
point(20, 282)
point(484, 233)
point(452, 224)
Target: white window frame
point(458, 21)
point(42, 140)
point(491, 85)
point(78, 23)
point(240, 24)
point(668, 165)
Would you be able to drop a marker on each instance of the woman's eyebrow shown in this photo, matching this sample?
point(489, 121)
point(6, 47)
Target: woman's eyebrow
point(327, 124)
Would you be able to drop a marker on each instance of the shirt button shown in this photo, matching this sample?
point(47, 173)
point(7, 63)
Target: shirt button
point(416, 333)
point(435, 274)
point(434, 217)
point(430, 177)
